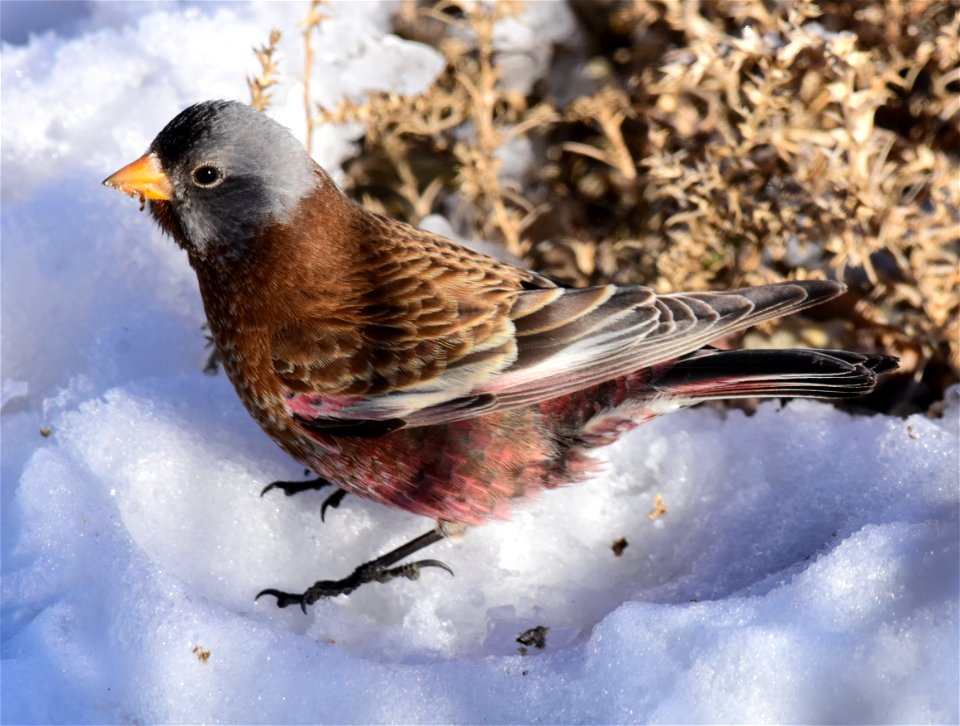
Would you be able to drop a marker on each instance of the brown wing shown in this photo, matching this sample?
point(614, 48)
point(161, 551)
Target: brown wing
point(420, 330)
point(568, 340)
point(418, 313)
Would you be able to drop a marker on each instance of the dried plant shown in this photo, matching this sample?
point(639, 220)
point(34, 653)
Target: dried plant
point(608, 109)
point(463, 120)
point(259, 85)
point(311, 21)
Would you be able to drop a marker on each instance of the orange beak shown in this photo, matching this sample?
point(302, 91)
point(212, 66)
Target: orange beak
point(144, 178)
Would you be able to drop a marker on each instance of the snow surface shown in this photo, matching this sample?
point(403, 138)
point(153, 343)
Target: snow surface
point(806, 569)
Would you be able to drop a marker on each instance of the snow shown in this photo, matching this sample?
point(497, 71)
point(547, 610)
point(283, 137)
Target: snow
point(806, 569)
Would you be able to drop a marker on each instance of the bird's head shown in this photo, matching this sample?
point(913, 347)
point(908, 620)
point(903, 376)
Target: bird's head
point(217, 175)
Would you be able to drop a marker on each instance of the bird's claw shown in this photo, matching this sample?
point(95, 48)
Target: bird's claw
point(333, 501)
point(284, 598)
point(411, 570)
point(367, 572)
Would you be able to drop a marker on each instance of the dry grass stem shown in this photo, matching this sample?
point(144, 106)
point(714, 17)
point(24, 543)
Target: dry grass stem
point(258, 85)
point(310, 22)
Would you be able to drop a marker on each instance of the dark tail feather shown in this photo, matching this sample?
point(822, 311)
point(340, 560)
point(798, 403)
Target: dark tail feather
point(706, 374)
point(803, 373)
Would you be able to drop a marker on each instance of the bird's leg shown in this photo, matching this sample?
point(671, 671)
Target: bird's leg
point(377, 570)
point(295, 487)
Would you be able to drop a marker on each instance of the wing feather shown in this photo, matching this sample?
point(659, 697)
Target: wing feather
point(681, 323)
point(432, 332)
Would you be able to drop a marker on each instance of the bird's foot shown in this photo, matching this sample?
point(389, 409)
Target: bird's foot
point(381, 569)
point(367, 572)
point(295, 487)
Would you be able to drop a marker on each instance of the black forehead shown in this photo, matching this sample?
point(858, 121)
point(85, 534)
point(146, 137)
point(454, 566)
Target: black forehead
point(189, 128)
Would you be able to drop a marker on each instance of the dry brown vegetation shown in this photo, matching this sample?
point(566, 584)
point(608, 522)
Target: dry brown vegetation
point(702, 145)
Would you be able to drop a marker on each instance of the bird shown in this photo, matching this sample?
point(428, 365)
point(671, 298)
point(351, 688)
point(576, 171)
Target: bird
point(418, 373)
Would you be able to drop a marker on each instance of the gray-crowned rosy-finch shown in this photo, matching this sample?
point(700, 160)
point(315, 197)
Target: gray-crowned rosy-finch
point(418, 373)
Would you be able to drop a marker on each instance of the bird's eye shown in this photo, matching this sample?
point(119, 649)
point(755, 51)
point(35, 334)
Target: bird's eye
point(206, 175)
